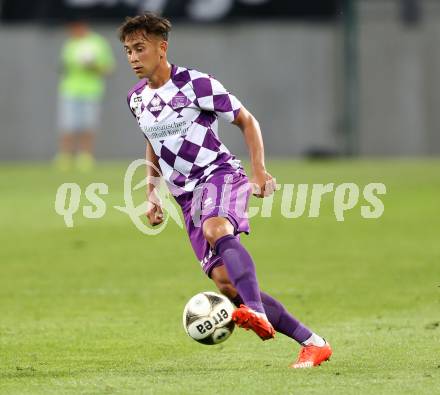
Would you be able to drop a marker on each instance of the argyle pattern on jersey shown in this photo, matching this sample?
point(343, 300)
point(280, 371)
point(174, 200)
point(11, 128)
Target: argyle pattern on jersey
point(180, 120)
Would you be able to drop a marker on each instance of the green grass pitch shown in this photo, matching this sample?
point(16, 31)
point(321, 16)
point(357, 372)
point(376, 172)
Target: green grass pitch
point(96, 309)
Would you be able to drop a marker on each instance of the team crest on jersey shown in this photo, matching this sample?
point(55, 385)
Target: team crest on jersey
point(179, 101)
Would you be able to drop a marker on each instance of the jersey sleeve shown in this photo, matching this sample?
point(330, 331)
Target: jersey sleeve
point(211, 95)
point(67, 57)
point(105, 58)
point(129, 104)
point(135, 103)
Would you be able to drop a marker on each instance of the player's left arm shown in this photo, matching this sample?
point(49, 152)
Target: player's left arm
point(211, 95)
point(262, 181)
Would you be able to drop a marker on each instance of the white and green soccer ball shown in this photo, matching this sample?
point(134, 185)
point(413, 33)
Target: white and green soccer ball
point(207, 318)
point(86, 55)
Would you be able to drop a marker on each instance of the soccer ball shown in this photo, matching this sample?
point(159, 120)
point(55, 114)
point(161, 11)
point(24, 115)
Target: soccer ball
point(207, 318)
point(86, 55)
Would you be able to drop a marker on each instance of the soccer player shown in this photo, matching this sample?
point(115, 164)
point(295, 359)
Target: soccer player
point(177, 110)
point(86, 58)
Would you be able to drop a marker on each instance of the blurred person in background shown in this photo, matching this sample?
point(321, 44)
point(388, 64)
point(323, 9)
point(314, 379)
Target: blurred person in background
point(86, 58)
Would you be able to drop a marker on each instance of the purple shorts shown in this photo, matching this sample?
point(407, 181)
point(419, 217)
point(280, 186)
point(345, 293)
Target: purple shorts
point(224, 193)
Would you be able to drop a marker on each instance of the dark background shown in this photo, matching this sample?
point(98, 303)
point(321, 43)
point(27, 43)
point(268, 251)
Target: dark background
point(56, 10)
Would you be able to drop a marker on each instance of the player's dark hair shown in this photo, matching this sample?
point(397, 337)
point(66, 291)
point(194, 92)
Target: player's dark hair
point(148, 23)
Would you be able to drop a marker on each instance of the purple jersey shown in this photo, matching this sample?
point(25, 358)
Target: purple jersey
point(180, 120)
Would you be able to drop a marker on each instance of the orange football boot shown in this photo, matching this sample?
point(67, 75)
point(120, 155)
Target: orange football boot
point(247, 318)
point(310, 356)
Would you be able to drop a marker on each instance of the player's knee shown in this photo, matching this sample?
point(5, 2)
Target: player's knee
point(211, 235)
point(216, 227)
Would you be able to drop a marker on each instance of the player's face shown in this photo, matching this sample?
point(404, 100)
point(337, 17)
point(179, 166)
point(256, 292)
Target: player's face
point(144, 54)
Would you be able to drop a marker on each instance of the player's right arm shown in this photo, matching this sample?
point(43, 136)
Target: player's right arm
point(154, 211)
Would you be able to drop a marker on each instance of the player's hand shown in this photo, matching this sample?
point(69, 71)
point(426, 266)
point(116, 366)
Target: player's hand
point(154, 213)
point(263, 184)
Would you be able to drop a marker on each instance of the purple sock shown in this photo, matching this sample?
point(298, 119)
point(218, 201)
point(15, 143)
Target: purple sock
point(241, 270)
point(280, 318)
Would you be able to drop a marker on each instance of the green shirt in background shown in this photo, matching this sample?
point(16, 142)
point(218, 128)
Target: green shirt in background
point(85, 62)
